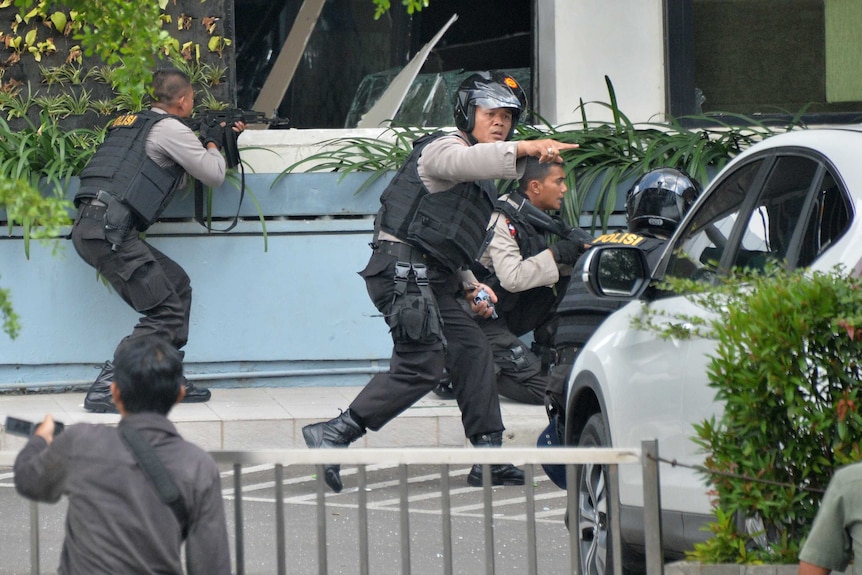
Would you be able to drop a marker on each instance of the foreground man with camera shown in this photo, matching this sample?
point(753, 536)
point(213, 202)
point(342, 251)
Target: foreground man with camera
point(430, 227)
point(137, 491)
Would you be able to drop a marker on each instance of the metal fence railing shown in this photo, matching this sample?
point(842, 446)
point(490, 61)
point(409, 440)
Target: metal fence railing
point(403, 458)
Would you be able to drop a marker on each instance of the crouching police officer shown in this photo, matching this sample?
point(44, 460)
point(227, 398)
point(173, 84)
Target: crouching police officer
point(130, 180)
point(655, 205)
point(430, 227)
point(526, 275)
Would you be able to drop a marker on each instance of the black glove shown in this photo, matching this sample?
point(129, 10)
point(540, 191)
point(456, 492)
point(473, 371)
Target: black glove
point(566, 251)
point(214, 134)
point(580, 236)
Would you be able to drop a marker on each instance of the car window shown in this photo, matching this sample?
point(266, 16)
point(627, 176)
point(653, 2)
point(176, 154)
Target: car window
point(829, 219)
point(777, 212)
point(700, 247)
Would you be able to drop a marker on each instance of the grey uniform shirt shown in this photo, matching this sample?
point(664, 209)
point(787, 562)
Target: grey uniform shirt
point(116, 522)
point(503, 257)
point(171, 142)
point(836, 535)
point(449, 160)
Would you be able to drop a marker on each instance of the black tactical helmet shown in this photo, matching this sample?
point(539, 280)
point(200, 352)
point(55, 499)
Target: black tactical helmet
point(659, 199)
point(489, 90)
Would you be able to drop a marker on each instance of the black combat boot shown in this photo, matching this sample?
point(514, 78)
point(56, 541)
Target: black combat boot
point(195, 394)
point(338, 432)
point(506, 474)
point(444, 389)
point(98, 397)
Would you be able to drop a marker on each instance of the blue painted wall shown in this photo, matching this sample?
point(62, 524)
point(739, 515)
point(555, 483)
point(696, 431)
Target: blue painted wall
point(288, 311)
point(285, 309)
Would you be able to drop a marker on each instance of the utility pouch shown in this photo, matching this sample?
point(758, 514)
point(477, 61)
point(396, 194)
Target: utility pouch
point(414, 317)
point(118, 219)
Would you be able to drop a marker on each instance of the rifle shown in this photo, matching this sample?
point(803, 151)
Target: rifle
point(213, 119)
point(230, 116)
point(539, 219)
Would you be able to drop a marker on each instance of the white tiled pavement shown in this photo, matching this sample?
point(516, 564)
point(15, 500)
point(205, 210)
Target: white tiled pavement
point(272, 418)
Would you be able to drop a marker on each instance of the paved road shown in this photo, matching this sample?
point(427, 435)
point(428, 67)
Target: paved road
point(342, 531)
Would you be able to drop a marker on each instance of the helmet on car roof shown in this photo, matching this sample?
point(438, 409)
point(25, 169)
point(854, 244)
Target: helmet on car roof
point(492, 89)
point(659, 199)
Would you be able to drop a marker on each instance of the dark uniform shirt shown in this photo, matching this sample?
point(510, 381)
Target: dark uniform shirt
point(116, 522)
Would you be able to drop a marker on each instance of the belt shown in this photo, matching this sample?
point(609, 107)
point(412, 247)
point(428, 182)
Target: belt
point(402, 251)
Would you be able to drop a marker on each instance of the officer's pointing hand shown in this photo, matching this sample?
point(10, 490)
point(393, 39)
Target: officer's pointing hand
point(545, 150)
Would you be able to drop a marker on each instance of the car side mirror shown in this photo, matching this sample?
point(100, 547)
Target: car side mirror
point(619, 272)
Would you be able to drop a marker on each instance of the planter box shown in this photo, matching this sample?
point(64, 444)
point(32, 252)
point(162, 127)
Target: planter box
point(694, 568)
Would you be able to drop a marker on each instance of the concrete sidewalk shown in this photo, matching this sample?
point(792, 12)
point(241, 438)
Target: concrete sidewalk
point(272, 418)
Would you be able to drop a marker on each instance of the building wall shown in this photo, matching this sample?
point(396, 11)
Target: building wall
point(582, 41)
point(285, 309)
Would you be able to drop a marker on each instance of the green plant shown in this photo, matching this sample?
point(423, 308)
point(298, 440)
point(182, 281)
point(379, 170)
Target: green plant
point(129, 103)
point(213, 75)
point(103, 106)
point(40, 156)
point(76, 74)
point(11, 324)
point(54, 105)
point(786, 371)
point(357, 154)
point(52, 74)
point(608, 155)
point(15, 104)
point(104, 74)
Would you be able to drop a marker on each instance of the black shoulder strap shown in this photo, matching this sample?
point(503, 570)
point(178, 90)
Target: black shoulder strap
point(232, 160)
point(161, 480)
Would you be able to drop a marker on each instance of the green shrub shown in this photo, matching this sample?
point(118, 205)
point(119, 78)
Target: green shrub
point(786, 369)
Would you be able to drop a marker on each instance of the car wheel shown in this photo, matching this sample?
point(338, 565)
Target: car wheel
point(593, 507)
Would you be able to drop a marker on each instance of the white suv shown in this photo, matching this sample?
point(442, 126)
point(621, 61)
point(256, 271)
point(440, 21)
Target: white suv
point(791, 197)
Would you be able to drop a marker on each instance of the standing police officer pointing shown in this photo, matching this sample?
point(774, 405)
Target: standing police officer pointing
point(430, 227)
point(127, 184)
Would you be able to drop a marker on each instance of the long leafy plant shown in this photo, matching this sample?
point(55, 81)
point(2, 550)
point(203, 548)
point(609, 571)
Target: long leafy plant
point(609, 153)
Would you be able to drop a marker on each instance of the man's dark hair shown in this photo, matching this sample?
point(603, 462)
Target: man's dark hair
point(536, 170)
point(169, 84)
point(149, 374)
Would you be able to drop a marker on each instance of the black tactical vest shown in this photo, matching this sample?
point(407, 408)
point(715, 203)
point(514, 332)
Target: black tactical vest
point(122, 168)
point(580, 312)
point(449, 225)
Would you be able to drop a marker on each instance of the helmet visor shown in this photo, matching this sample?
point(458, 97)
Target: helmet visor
point(492, 95)
point(658, 202)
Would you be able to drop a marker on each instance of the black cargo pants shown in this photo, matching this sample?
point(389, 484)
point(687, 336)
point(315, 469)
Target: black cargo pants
point(415, 369)
point(147, 280)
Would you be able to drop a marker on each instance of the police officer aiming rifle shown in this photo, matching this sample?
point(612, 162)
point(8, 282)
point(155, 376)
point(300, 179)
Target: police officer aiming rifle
point(128, 183)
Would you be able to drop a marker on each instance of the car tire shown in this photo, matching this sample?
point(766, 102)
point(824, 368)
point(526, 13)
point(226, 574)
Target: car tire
point(594, 501)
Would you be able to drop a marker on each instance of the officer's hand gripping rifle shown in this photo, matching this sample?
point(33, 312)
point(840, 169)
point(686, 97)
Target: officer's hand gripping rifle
point(212, 120)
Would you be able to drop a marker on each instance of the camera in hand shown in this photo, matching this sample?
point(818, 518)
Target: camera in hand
point(484, 296)
point(26, 428)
